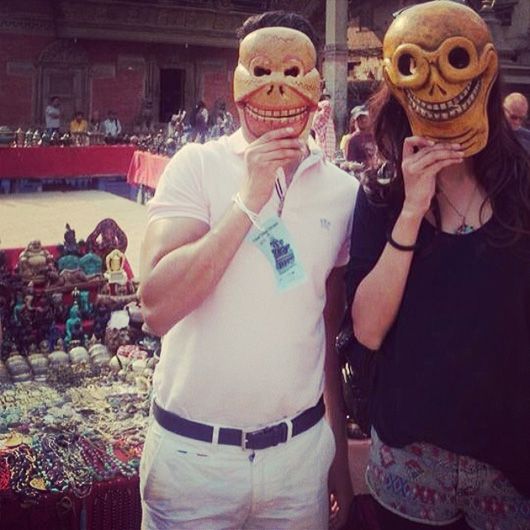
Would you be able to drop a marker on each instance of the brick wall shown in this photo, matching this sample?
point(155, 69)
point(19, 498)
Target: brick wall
point(117, 74)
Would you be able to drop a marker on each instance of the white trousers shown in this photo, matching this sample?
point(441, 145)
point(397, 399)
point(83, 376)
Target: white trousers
point(188, 484)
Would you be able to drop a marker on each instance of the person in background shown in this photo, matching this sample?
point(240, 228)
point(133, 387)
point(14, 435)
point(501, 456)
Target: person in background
point(95, 125)
point(53, 115)
point(325, 128)
point(346, 137)
point(361, 146)
point(112, 125)
point(199, 122)
point(78, 124)
point(516, 111)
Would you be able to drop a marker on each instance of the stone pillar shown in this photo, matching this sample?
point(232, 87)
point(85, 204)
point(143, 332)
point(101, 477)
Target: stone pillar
point(336, 61)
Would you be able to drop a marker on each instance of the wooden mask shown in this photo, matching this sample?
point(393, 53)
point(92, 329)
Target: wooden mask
point(276, 83)
point(440, 63)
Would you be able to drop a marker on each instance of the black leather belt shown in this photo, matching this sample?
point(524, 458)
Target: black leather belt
point(260, 439)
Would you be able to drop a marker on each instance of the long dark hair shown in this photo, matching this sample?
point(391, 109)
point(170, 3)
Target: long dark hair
point(502, 168)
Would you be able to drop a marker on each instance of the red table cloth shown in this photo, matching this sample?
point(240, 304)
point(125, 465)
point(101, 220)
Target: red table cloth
point(64, 162)
point(146, 169)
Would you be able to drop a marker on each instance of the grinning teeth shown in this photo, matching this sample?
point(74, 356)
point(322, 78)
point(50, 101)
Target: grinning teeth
point(287, 115)
point(449, 109)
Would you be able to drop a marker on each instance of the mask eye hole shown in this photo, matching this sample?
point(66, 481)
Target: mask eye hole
point(406, 64)
point(459, 58)
point(259, 71)
point(293, 71)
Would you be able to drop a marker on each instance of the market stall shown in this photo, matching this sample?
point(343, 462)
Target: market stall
point(75, 378)
point(64, 162)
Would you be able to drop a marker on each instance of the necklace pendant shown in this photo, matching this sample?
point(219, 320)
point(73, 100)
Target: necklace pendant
point(464, 229)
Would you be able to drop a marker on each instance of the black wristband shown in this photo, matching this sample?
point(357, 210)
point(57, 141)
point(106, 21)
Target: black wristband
point(398, 246)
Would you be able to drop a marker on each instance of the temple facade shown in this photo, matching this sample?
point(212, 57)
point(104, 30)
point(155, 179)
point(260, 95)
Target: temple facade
point(143, 59)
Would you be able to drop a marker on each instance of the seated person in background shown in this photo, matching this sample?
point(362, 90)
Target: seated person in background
point(78, 124)
point(361, 146)
point(95, 124)
point(516, 111)
point(112, 126)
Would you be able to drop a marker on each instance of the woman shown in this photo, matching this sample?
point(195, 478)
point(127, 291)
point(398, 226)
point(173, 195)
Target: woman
point(440, 276)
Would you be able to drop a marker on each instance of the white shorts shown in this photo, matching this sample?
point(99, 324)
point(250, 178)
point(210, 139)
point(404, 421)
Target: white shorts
point(189, 484)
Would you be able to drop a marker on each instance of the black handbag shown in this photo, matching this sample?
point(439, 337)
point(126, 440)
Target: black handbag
point(358, 365)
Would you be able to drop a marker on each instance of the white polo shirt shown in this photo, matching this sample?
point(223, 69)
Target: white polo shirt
point(251, 354)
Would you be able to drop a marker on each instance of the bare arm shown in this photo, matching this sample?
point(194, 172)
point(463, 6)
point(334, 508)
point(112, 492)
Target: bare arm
point(339, 476)
point(379, 295)
point(183, 259)
point(182, 262)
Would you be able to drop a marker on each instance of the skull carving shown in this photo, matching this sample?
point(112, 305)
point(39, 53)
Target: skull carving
point(440, 63)
point(276, 83)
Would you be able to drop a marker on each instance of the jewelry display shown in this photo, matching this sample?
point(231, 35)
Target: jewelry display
point(72, 414)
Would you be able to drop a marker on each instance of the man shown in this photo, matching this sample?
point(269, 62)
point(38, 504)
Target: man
point(325, 128)
point(53, 115)
point(242, 273)
point(112, 125)
point(200, 122)
point(516, 111)
point(361, 146)
point(78, 124)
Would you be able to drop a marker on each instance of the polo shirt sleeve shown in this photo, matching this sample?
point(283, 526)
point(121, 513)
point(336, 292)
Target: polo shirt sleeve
point(180, 191)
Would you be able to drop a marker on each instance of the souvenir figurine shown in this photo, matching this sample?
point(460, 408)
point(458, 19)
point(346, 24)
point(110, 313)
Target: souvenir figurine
point(107, 236)
point(28, 138)
point(60, 311)
point(86, 307)
point(74, 326)
point(276, 83)
point(69, 262)
point(78, 354)
point(136, 318)
point(43, 318)
point(70, 243)
point(35, 263)
point(441, 70)
point(115, 272)
point(39, 365)
point(91, 264)
point(6, 298)
point(36, 139)
point(59, 357)
point(18, 367)
point(99, 354)
point(101, 317)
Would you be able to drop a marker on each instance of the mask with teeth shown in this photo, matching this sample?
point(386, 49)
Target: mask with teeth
point(440, 63)
point(276, 83)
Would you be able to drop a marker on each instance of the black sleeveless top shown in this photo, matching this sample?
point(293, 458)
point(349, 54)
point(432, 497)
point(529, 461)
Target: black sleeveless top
point(454, 369)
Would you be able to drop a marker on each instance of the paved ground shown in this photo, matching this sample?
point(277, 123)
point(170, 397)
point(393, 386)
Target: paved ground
point(27, 216)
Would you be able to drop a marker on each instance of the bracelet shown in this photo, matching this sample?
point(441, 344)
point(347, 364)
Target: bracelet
point(399, 246)
point(253, 216)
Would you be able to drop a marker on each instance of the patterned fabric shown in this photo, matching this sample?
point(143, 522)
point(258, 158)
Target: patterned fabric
point(429, 485)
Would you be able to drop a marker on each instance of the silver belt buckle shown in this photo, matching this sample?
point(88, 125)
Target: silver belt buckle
point(243, 440)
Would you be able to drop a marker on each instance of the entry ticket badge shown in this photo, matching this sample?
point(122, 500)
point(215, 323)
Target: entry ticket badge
point(275, 242)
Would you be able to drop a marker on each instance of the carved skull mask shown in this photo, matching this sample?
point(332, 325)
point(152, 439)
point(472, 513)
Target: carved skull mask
point(276, 83)
point(440, 63)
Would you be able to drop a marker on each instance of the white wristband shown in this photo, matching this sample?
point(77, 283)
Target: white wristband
point(253, 216)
